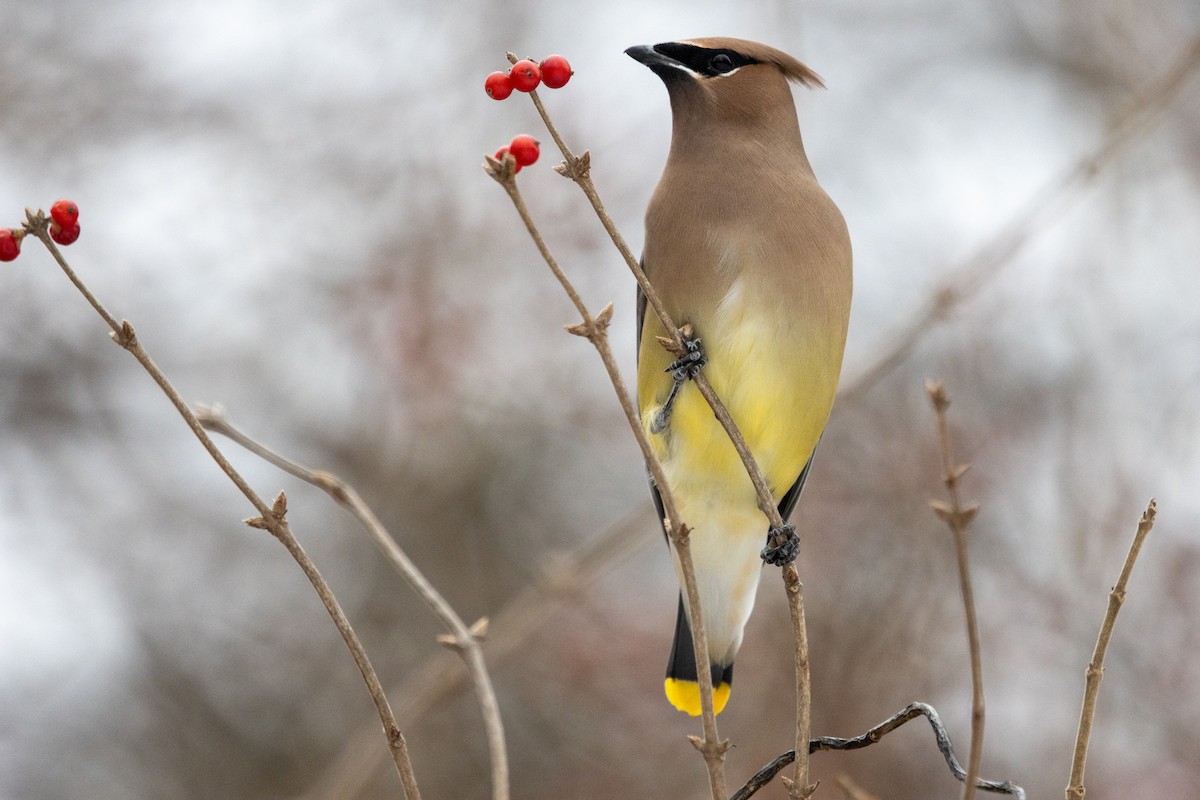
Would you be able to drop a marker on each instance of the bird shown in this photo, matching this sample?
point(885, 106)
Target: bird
point(752, 260)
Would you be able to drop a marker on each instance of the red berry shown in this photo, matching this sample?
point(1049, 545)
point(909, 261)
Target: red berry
point(556, 71)
point(64, 213)
point(64, 234)
point(525, 76)
point(524, 149)
point(10, 243)
point(502, 152)
point(498, 86)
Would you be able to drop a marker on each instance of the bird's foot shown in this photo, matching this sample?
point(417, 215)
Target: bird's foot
point(682, 370)
point(688, 365)
point(783, 545)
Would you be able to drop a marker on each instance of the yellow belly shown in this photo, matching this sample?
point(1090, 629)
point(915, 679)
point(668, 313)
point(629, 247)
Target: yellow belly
point(778, 389)
point(778, 385)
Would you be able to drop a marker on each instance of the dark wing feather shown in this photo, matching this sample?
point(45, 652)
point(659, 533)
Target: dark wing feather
point(641, 318)
point(788, 503)
point(641, 314)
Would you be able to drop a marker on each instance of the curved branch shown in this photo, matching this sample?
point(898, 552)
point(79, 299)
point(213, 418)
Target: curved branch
point(912, 711)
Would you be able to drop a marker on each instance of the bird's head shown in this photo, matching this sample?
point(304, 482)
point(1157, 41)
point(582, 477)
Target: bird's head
point(724, 79)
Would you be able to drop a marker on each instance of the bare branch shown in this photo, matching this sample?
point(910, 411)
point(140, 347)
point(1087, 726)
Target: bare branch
point(799, 785)
point(270, 518)
point(957, 518)
point(872, 736)
point(462, 639)
point(1095, 669)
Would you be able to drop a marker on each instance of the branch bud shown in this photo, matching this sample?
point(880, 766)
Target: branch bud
point(937, 394)
point(125, 337)
point(604, 317)
point(279, 509)
point(577, 168)
point(958, 519)
point(450, 642)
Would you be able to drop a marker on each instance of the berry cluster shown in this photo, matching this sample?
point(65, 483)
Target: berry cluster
point(524, 149)
point(526, 75)
point(64, 229)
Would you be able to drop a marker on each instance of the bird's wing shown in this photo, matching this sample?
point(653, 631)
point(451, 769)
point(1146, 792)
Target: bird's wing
point(641, 317)
point(788, 502)
point(641, 312)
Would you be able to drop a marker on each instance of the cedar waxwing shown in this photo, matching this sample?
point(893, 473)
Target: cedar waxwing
point(743, 244)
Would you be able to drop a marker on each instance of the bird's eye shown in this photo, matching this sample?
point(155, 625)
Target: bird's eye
point(721, 63)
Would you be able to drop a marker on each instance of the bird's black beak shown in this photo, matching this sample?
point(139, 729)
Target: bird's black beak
point(665, 67)
point(646, 54)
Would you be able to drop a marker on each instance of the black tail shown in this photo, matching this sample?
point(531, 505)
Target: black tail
point(682, 678)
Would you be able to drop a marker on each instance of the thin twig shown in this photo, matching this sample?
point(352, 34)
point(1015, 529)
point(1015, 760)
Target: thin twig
point(1049, 203)
point(595, 330)
point(1095, 669)
point(798, 785)
point(958, 519)
point(272, 518)
point(872, 736)
point(463, 640)
point(578, 169)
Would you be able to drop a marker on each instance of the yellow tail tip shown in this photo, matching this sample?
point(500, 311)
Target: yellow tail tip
point(685, 695)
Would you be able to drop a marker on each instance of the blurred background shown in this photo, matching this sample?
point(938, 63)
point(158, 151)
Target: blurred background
point(287, 201)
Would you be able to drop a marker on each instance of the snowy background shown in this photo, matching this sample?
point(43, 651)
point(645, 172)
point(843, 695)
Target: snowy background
point(287, 202)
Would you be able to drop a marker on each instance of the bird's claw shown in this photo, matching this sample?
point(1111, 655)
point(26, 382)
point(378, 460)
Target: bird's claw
point(783, 545)
point(682, 370)
point(688, 365)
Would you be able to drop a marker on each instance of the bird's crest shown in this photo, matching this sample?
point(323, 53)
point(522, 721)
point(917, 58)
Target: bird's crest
point(791, 68)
